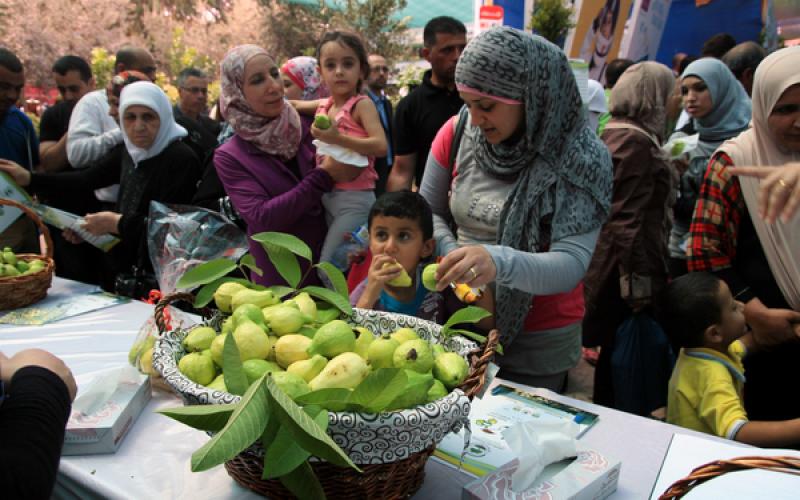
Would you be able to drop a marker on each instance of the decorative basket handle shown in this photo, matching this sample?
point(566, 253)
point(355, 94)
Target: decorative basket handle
point(48, 250)
point(480, 361)
point(161, 320)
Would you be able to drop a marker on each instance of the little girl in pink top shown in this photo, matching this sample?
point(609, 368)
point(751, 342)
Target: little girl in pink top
point(356, 126)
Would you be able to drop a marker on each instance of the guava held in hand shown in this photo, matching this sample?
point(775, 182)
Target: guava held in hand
point(403, 280)
point(322, 122)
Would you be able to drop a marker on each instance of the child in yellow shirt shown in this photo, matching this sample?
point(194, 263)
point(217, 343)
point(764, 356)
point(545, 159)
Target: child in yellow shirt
point(705, 391)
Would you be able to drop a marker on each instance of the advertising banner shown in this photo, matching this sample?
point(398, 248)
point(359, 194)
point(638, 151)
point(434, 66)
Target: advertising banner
point(597, 35)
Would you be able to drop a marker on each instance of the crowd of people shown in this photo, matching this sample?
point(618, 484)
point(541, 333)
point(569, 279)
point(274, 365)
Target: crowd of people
point(565, 211)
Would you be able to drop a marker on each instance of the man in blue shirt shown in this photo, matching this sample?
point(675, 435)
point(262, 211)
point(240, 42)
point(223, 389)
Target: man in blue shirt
point(18, 144)
point(378, 78)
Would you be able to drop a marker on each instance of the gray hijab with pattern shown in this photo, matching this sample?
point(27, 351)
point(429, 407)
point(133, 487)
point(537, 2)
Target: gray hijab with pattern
point(563, 171)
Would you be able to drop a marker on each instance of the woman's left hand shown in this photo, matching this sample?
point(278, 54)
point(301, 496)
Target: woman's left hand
point(472, 265)
point(102, 223)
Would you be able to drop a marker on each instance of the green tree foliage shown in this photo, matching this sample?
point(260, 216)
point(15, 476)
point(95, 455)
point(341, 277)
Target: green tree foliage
point(551, 19)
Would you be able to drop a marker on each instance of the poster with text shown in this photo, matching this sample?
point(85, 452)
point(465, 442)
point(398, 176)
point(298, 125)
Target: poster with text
point(645, 28)
point(597, 35)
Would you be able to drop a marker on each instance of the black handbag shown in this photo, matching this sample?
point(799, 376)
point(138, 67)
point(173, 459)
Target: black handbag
point(137, 283)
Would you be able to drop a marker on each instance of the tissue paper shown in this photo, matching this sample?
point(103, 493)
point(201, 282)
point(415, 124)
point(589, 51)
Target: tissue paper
point(537, 445)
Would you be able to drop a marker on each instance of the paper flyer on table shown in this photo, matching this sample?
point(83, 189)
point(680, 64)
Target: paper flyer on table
point(55, 308)
point(685, 453)
point(498, 410)
point(65, 220)
point(11, 191)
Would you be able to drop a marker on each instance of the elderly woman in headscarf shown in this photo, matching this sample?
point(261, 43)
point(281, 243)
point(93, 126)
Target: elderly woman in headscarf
point(629, 266)
point(523, 204)
point(760, 262)
point(720, 110)
point(301, 79)
point(152, 164)
point(267, 167)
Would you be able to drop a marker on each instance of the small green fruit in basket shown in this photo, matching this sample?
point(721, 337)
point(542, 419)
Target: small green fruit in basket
point(364, 340)
point(429, 277)
point(345, 371)
point(437, 391)
point(227, 326)
point(307, 369)
point(146, 362)
point(199, 339)
point(10, 270)
point(437, 350)
point(293, 385)
point(404, 334)
point(248, 312)
point(416, 391)
point(451, 369)
point(262, 298)
point(9, 257)
point(252, 341)
point(291, 348)
point(380, 353)
point(285, 319)
point(322, 121)
point(224, 294)
point(197, 367)
point(255, 368)
point(414, 355)
point(306, 305)
point(218, 384)
point(333, 339)
point(22, 266)
point(217, 346)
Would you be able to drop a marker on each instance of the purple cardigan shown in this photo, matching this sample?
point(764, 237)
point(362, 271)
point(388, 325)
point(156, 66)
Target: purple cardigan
point(270, 197)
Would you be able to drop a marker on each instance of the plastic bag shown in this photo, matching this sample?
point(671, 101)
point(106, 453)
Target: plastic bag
point(340, 154)
point(182, 237)
point(141, 353)
point(681, 146)
point(641, 365)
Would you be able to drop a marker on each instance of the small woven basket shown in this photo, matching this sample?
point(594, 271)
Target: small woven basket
point(396, 478)
point(21, 291)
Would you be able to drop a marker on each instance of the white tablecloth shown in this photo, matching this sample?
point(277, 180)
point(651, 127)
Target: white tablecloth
point(153, 460)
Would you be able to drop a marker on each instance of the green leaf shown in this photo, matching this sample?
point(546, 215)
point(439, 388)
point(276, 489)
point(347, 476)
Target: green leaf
point(235, 379)
point(470, 314)
point(336, 278)
point(205, 273)
point(332, 399)
point(285, 263)
point(284, 454)
point(303, 428)
point(280, 291)
point(476, 337)
point(331, 297)
point(286, 241)
point(244, 427)
point(303, 483)
point(249, 262)
point(202, 417)
point(380, 388)
point(206, 292)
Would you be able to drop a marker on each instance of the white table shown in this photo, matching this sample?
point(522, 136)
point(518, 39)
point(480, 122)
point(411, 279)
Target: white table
point(153, 460)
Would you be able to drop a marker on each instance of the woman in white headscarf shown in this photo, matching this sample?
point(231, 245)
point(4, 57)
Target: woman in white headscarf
point(759, 262)
point(152, 164)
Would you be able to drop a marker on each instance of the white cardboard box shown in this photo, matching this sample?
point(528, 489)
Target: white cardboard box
point(104, 429)
point(590, 476)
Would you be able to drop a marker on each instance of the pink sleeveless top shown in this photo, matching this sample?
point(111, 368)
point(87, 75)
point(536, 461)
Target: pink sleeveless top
point(348, 126)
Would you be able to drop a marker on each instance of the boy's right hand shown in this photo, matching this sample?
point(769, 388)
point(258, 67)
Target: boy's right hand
point(376, 280)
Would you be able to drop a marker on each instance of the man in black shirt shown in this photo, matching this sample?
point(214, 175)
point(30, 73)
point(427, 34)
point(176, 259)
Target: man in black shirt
point(422, 112)
point(35, 404)
point(190, 112)
point(73, 77)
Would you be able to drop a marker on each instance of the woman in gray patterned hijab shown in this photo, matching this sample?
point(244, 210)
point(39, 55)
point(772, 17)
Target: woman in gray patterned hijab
point(529, 141)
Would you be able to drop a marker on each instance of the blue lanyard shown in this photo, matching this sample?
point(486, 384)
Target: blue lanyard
point(734, 371)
